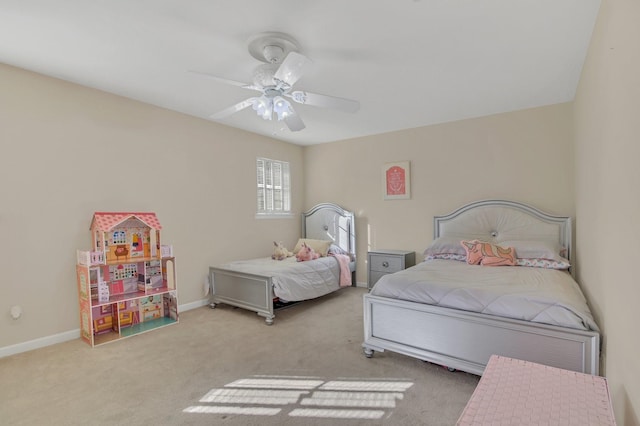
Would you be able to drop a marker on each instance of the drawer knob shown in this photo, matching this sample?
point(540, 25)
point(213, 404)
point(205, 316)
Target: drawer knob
point(385, 264)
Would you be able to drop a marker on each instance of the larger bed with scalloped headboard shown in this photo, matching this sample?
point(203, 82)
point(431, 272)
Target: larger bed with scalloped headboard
point(450, 311)
point(257, 284)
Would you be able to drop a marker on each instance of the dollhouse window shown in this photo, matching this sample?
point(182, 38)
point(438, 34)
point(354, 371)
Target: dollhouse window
point(119, 237)
point(274, 187)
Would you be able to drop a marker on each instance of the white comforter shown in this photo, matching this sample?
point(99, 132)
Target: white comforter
point(533, 294)
point(292, 280)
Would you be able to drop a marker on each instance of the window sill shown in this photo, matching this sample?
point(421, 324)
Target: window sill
point(274, 215)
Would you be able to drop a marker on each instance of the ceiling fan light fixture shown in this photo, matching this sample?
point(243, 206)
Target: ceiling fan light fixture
point(263, 106)
point(282, 107)
point(266, 106)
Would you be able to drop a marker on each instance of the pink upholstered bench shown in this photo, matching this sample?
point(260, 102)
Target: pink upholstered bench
point(515, 392)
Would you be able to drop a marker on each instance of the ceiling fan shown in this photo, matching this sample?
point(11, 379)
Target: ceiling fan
point(283, 66)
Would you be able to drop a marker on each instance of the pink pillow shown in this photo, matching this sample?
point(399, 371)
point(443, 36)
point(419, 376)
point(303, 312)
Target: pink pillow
point(487, 254)
point(473, 251)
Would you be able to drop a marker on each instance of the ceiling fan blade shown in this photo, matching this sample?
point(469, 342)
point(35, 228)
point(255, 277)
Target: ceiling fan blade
point(294, 122)
point(233, 109)
point(324, 101)
point(227, 81)
point(292, 68)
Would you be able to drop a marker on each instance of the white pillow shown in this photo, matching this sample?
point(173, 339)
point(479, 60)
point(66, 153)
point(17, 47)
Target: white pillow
point(336, 249)
point(445, 245)
point(528, 249)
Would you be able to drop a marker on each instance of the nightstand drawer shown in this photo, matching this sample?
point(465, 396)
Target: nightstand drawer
point(385, 263)
point(375, 276)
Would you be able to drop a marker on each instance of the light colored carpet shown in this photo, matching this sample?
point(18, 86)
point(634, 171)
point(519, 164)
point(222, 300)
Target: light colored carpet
point(158, 377)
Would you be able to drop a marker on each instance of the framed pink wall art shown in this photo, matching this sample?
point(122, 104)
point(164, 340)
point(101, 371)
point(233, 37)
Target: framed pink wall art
point(396, 181)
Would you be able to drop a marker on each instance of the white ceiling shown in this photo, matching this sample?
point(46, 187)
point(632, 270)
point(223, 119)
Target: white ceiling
point(409, 63)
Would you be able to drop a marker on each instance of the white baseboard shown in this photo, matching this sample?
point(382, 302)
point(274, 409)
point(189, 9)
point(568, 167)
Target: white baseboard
point(72, 334)
point(193, 305)
point(39, 343)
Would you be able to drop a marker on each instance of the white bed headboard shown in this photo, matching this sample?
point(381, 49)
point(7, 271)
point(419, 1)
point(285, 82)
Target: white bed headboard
point(329, 221)
point(500, 220)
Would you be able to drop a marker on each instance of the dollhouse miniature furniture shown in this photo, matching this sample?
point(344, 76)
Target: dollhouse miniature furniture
point(126, 319)
point(126, 280)
point(102, 324)
point(121, 250)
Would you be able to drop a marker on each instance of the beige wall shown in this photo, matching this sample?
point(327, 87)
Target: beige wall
point(607, 145)
point(68, 151)
point(523, 156)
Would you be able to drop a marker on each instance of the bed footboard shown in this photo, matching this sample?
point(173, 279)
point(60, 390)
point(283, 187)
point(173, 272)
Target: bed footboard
point(247, 291)
point(465, 340)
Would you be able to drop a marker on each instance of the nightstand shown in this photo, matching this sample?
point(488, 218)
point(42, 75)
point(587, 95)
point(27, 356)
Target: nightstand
point(383, 262)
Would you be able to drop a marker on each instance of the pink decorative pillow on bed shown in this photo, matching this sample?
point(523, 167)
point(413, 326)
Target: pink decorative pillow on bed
point(487, 254)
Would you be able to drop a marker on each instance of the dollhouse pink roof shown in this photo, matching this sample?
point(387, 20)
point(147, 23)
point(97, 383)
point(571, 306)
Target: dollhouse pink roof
point(105, 221)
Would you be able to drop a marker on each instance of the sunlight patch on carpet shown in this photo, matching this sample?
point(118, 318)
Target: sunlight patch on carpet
point(338, 414)
point(255, 411)
point(276, 383)
point(310, 397)
point(250, 396)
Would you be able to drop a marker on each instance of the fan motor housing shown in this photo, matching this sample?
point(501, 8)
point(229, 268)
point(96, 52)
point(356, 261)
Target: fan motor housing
point(272, 47)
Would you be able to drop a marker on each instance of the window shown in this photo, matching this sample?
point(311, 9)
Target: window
point(274, 188)
point(119, 237)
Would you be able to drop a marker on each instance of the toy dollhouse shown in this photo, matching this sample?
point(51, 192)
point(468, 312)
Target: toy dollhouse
point(127, 282)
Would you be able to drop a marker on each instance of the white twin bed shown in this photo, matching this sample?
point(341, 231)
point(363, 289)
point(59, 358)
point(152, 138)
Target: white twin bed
point(449, 312)
point(258, 284)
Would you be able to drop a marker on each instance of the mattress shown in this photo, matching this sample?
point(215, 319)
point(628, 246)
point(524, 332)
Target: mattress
point(292, 280)
point(540, 295)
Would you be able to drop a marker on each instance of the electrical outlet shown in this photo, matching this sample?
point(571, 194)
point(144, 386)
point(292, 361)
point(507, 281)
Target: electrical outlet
point(16, 312)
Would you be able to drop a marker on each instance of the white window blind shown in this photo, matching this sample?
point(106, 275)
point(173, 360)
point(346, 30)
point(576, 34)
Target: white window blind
point(274, 188)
